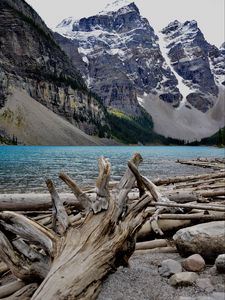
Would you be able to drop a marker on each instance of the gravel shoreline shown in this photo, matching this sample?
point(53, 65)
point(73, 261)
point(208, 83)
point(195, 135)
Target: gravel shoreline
point(142, 281)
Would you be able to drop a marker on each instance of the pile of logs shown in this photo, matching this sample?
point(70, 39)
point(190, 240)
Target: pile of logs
point(213, 163)
point(62, 246)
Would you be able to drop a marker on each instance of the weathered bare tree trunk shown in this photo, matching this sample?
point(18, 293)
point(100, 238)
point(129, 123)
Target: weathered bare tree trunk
point(79, 252)
point(66, 252)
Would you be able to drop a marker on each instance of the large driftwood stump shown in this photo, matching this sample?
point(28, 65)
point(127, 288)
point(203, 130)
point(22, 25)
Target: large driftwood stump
point(71, 261)
point(89, 237)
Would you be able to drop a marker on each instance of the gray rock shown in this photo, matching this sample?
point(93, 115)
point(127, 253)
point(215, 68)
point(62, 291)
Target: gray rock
point(205, 284)
point(204, 298)
point(183, 279)
point(206, 239)
point(220, 263)
point(169, 267)
point(218, 296)
point(194, 263)
point(214, 296)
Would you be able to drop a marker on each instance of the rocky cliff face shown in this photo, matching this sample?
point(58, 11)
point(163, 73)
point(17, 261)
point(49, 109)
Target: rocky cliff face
point(195, 60)
point(217, 59)
point(30, 59)
point(120, 56)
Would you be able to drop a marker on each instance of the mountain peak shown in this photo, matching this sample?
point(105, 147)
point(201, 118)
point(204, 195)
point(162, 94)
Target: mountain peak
point(176, 25)
point(118, 5)
point(222, 46)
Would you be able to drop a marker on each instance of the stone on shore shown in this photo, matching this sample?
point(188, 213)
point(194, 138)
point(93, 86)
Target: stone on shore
point(194, 263)
point(206, 239)
point(183, 279)
point(213, 296)
point(220, 263)
point(169, 267)
point(205, 284)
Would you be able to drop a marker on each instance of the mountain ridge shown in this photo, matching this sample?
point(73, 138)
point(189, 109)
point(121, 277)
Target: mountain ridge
point(137, 62)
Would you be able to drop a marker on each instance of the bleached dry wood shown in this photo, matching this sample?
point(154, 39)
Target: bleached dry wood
point(199, 183)
point(183, 196)
point(34, 202)
point(151, 244)
point(125, 185)
point(24, 293)
point(146, 231)
point(28, 230)
point(21, 267)
point(60, 221)
point(197, 216)
point(85, 251)
point(156, 195)
point(94, 235)
point(101, 202)
point(10, 288)
point(81, 197)
point(205, 163)
point(157, 250)
point(215, 193)
point(190, 206)
point(178, 179)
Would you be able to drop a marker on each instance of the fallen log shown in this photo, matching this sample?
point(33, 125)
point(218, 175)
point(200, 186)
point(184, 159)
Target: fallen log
point(151, 244)
point(178, 179)
point(204, 163)
point(198, 216)
point(197, 183)
point(190, 206)
point(183, 196)
point(166, 225)
point(209, 194)
point(157, 250)
point(41, 203)
point(33, 202)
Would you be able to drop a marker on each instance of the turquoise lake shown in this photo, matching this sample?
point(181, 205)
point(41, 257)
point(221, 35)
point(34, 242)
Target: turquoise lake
point(25, 168)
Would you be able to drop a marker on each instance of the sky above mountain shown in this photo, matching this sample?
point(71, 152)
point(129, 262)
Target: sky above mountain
point(208, 13)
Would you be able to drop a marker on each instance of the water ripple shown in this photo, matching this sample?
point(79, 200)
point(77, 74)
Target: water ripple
point(25, 168)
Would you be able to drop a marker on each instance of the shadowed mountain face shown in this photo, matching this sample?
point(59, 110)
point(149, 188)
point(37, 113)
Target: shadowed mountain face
point(31, 60)
point(192, 58)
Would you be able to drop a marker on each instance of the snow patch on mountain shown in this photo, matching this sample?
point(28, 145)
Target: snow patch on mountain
point(183, 88)
point(115, 6)
point(217, 63)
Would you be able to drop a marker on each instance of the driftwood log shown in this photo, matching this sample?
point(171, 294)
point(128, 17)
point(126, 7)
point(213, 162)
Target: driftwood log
point(71, 260)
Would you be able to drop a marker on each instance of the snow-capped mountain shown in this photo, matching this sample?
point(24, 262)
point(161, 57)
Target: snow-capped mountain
point(217, 60)
point(177, 76)
point(122, 57)
point(188, 52)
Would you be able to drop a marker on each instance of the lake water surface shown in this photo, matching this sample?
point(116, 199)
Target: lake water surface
point(25, 168)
